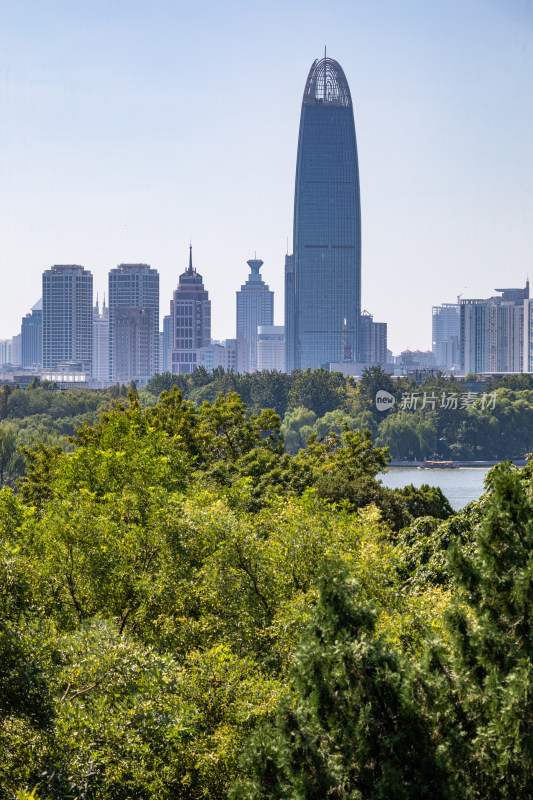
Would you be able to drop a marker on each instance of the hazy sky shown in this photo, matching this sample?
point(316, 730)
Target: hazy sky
point(129, 126)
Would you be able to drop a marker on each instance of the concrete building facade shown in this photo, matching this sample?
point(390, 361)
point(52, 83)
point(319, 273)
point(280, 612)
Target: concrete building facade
point(255, 307)
point(492, 332)
point(67, 315)
point(134, 286)
point(190, 321)
point(271, 347)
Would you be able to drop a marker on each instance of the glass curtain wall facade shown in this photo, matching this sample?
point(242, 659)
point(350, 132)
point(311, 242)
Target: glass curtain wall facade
point(32, 336)
point(326, 299)
point(446, 330)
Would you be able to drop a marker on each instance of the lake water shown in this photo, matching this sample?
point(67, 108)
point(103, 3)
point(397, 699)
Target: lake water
point(460, 486)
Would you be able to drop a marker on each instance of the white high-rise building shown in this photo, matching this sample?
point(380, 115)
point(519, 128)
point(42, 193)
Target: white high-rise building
point(492, 332)
point(67, 315)
point(6, 352)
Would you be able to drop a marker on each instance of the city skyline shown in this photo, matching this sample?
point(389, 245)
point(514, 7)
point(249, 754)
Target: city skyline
point(118, 146)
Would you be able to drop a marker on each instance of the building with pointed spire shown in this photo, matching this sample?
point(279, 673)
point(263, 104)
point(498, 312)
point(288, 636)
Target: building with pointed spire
point(190, 321)
point(255, 306)
point(322, 320)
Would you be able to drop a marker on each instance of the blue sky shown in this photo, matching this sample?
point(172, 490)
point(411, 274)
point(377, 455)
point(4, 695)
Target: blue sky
point(129, 126)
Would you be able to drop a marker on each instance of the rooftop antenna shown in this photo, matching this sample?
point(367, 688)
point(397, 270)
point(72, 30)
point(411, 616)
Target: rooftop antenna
point(287, 245)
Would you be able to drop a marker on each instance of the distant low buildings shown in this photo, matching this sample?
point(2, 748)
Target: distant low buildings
point(271, 347)
point(417, 359)
point(230, 356)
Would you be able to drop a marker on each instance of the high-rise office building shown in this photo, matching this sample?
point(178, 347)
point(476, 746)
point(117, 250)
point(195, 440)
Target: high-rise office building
point(373, 348)
point(446, 334)
point(6, 352)
point(32, 336)
point(164, 342)
point(134, 286)
point(134, 345)
point(101, 343)
point(289, 313)
point(528, 336)
point(190, 321)
point(327, 226)
point(492, 332)
point(67, 315)
point(255, 306)
point(16, 352)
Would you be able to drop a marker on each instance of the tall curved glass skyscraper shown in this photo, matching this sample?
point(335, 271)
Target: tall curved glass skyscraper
point(325, 301)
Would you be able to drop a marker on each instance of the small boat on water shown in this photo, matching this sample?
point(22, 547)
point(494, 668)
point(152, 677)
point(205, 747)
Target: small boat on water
point(439, 465)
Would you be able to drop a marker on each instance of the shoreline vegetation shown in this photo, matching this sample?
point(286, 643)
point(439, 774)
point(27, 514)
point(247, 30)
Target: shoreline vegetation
point(192, 607)
point(469, 431)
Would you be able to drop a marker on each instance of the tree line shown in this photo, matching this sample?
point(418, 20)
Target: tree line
point(441, 418)
point(187, 610)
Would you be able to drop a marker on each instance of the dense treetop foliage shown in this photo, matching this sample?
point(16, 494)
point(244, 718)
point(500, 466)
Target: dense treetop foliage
point(189, 611)
point(441, 418)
